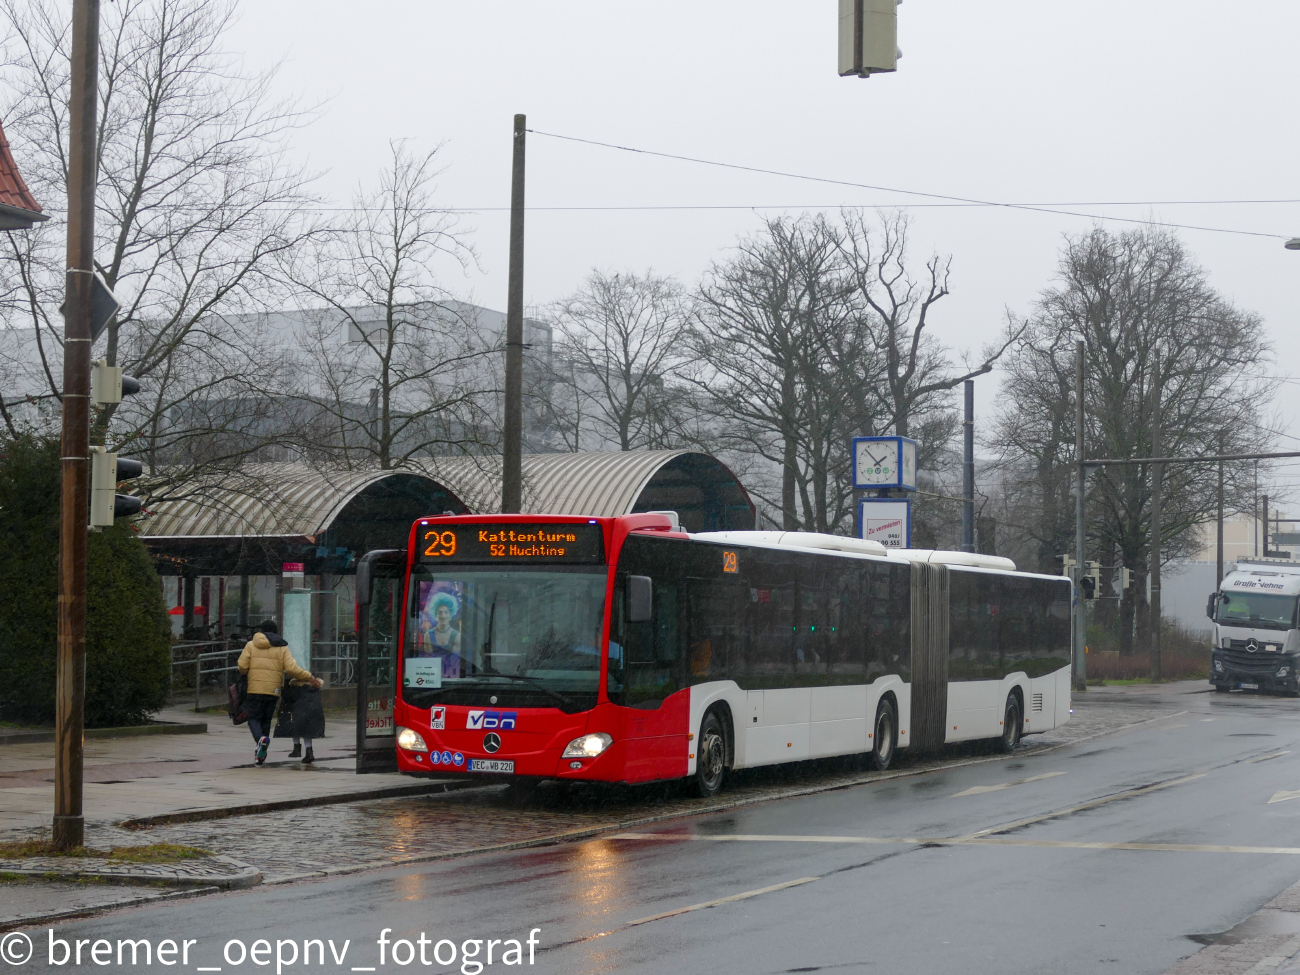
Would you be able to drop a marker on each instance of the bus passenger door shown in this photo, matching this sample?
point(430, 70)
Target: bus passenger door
point(379, 615)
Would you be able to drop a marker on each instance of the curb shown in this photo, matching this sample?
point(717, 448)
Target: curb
point(246, 876)
point(91, 910)
point(130, 731)
point(225, 812)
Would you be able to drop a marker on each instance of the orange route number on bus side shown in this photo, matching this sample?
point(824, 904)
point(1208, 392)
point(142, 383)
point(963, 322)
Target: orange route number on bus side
point(729, 562)
point(441, 544)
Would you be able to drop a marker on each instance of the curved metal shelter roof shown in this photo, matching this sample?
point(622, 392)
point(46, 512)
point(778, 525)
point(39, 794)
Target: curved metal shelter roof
point(266, 512)
point(696, 485)
point(279, 500)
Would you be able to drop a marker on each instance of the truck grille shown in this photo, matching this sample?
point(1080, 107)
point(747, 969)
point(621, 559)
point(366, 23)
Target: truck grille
point(1241, 644)
point(1244, 662)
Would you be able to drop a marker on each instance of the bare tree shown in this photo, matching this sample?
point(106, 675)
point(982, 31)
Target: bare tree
point(196, 201)
point(393, 367)
point(897, 303)
point(1154, 330)
point(770, 318)
point(623, 338)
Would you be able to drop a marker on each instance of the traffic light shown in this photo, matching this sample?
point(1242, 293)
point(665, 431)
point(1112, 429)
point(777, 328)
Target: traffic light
point(107, 470)
point(868, 37)
point(107, 387)
point(1091, 580)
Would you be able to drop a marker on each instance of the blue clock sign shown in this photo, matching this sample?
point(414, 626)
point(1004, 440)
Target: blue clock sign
point(884, 462)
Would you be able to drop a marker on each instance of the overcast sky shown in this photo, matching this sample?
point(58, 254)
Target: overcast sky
point(1097, 104)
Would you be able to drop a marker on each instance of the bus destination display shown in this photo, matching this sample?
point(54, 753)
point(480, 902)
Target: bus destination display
point(512, 543)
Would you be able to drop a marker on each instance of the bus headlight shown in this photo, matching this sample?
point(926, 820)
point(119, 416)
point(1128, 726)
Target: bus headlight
point(410, 740)
point(1218, 665)
point(1284, 671)
point(588, 746)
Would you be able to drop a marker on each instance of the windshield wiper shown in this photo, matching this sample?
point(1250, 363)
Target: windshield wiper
point(568, 702)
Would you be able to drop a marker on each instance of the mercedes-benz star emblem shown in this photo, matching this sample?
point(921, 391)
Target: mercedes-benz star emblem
point(1252, 646)
point(491, 742)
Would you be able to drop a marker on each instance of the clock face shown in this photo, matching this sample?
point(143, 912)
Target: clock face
point(877, 462)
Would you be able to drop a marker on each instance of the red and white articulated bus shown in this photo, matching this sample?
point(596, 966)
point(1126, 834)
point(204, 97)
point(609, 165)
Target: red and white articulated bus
point(625, 650)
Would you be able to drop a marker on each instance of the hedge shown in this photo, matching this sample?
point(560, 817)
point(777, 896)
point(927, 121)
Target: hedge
point(128, 634)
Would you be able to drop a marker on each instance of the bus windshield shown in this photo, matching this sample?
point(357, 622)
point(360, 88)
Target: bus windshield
point(518, 637)
point(1257, 609)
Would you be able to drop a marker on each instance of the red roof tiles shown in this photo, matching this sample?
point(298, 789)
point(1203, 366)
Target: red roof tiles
point(13, 191)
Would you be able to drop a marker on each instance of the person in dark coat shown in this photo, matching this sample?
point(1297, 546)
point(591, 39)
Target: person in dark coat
point(302, 717)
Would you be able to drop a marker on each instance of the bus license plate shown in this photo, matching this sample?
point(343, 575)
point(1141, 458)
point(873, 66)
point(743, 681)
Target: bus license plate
point(1250, 687)
point(491, 765)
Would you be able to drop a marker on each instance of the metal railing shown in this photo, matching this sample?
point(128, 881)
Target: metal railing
point(199, 664)
point(336, 661)
point(205, 665)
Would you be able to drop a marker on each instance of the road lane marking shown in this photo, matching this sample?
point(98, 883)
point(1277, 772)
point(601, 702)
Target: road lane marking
point(1284, 796)
point(1006, 827)
point(721, 900)
point(1265, 758)
point(763, 838)
point(981, 789)
point(962, 841)
point(1171, 727)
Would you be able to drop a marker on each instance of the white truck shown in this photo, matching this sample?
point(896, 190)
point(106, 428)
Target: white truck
point(1256, 642)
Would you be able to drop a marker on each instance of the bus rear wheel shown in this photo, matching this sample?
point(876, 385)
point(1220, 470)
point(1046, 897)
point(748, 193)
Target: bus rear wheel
point(884, 738)
point(1010, 725)
point(710, 757)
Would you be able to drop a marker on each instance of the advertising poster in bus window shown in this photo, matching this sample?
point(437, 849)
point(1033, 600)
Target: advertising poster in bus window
point(440, 623)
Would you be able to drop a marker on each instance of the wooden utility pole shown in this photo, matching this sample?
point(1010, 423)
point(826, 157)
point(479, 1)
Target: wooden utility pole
point(1157, 515)
point(512, 488)
point(70, 706)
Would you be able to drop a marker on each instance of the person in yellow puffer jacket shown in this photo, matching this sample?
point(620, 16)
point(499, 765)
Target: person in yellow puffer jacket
point(266, 659)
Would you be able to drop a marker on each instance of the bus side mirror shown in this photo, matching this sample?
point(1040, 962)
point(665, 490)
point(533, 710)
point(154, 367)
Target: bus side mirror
point(363, 583)
point(1209, 606)
point(640, 606)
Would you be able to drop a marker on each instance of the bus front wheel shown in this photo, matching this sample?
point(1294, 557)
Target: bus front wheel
point(710, 757)
point(884, 736)
point(1010, 725)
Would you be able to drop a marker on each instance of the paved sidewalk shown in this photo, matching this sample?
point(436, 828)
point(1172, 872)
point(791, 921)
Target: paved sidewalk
point(1268, 941)
point(161, 775)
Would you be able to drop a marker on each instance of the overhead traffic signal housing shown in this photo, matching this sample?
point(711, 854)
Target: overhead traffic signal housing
point(868, 37)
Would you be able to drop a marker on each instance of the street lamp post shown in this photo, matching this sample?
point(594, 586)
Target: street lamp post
point(1293, 244)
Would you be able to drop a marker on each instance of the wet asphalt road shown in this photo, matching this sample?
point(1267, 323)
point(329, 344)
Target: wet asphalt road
point(1047, 896)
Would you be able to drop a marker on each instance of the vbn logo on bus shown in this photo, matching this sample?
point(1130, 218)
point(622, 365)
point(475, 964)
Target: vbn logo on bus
point(483, 720)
